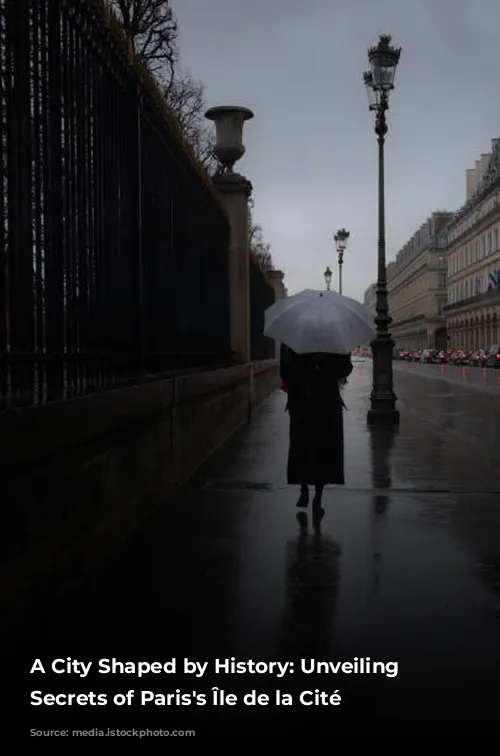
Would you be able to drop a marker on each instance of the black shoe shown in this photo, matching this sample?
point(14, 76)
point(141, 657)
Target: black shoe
point(318, 514)
point(304, 497)
point(302, 520)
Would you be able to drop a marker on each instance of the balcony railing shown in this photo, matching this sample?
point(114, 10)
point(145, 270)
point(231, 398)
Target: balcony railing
point(485, 297)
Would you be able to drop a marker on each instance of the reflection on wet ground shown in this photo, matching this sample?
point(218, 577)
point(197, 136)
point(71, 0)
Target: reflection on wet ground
point(404, 565)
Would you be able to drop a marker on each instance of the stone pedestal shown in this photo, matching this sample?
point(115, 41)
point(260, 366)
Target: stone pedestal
point(235, 191)
point(276, 278)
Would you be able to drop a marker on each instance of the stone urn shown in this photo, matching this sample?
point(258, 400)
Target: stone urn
point(229, 145)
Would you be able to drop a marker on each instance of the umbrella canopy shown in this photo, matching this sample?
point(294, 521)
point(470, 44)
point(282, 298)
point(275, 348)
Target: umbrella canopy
point(319, 321)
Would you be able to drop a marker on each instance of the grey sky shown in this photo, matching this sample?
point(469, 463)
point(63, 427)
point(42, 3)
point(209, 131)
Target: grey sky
point(311, 149)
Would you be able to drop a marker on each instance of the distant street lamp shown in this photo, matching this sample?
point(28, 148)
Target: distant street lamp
point(379, 82)
point(340, 239)
point(328, 278)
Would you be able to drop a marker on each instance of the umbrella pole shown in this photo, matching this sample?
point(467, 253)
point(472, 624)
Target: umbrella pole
point(383, 399)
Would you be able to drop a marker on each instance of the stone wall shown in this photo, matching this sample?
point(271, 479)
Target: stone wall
point(78, 475)
point(265, 380)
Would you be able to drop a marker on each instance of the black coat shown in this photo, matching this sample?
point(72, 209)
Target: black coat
point(316, 451)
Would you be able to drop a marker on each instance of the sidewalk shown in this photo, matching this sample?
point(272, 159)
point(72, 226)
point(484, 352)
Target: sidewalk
point(404, 567)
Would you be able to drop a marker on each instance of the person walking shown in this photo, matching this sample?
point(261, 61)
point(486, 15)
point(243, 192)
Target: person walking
point(315, 405)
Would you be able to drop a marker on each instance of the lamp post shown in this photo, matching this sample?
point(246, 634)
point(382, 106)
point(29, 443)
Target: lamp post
point(328, 278)
point(340, 240)
point(379, 82)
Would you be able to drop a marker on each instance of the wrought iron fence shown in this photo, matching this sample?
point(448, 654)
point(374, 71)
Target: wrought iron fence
point(262, 296)
point(114, 248)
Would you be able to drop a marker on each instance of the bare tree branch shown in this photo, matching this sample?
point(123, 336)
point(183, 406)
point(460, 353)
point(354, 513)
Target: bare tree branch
point(186, 98)
point(152, 28)
point(260, 248)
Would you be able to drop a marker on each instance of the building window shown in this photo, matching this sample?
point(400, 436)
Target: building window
point(495, 238)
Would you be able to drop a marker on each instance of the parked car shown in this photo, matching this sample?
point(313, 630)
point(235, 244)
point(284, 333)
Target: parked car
point(433, 354)
point(427, 355)
point(465, 357)
point(363, 351)
point(493, 358)
point(441, 358)
point(476, 359)
point(457, 358)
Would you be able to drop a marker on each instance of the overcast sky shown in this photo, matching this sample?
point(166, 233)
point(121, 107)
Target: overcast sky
point(311, 149)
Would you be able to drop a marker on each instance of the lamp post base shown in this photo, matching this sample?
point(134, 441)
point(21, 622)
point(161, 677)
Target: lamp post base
point(383, 399)
point(383, 415)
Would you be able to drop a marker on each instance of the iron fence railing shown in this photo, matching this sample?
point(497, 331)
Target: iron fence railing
point(114, 248)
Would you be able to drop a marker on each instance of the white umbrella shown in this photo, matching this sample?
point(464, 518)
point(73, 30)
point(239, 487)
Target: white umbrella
point(319, 321)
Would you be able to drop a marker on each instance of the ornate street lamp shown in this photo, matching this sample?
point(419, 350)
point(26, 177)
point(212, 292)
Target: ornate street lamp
point(340, 239)
point(379, 82)
point(328, 278)
point(229, 146)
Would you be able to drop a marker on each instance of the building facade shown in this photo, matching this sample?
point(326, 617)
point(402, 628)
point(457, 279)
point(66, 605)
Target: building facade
point(472, 242)
point(416, 286)
point(370, 298)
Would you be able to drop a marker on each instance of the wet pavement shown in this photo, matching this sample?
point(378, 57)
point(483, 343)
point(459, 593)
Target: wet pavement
point(481, 378)
point(403, 567)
